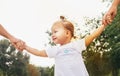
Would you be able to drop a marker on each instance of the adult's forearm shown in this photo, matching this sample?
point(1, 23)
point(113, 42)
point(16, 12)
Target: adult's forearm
point(115, 3)
point(4, 32)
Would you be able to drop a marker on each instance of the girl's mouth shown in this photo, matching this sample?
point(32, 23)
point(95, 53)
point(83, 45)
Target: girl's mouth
point(54, 39)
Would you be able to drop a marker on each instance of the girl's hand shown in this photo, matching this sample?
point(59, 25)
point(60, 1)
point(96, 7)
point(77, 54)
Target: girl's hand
point(110, 14)
point(19, 44)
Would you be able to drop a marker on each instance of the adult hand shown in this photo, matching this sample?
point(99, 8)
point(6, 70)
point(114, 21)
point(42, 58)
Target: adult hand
point(17, 43)
point(111, 13)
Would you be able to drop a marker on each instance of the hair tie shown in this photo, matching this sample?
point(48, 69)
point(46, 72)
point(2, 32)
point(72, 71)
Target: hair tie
point(62, 18)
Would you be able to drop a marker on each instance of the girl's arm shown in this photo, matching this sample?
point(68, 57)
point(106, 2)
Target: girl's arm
point(95, 34)
point(36, 52)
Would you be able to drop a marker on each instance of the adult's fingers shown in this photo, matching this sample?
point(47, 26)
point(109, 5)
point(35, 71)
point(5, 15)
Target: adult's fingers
point(104, 20)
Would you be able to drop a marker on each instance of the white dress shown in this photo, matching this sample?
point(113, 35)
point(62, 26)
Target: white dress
point(68, 59)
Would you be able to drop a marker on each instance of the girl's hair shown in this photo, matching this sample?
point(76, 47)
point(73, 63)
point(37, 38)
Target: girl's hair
point(67, 24)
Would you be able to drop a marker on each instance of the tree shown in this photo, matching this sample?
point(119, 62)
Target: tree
point(113, 37)
point(12, 62)
point(47, 71)
point(108, 44)
point(96, 56)
point(33, 70)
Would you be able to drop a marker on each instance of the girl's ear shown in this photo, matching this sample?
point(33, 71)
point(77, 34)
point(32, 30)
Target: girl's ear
point(68, 33)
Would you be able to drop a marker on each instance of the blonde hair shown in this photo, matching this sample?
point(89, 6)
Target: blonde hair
point(67, 25)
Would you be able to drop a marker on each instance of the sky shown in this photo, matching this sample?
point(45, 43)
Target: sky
point(30, 19)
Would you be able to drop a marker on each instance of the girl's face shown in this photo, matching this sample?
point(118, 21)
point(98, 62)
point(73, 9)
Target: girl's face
point(60, 34)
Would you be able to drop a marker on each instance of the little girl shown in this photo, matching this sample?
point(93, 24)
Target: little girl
point(68, 56)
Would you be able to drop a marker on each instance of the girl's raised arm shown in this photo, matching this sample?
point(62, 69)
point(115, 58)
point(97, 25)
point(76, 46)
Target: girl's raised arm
point(95, 34)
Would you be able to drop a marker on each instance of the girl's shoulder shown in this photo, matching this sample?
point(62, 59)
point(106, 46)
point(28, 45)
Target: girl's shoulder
point(77, 40)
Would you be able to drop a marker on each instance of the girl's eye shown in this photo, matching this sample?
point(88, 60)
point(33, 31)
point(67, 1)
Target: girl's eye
point(55, 31)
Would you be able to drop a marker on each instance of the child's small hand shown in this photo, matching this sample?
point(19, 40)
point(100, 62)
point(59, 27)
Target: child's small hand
point(109, 19)
point(20, 45)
